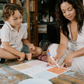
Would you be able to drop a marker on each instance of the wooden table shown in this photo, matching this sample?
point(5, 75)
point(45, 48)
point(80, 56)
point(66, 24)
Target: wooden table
point(11, 76)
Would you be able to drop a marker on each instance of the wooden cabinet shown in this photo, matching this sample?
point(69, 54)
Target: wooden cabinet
point(31, 15)
point(32, 19)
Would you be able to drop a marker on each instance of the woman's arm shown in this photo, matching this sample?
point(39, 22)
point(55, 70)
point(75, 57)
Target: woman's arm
point(69, 58)
point(62, 46)
point(61, 49)
point(78, 53)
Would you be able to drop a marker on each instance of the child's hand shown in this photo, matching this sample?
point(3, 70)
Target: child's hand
point(22, 57)
point(31, 47)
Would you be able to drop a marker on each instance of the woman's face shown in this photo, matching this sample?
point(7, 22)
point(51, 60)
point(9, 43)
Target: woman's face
point(68, 11)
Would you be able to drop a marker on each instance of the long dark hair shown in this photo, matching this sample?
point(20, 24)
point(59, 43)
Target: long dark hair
point(62, 21)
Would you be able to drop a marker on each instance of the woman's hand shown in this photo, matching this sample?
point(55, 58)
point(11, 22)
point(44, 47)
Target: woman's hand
point(67, 61)
point(51, 62)
point(57, 58)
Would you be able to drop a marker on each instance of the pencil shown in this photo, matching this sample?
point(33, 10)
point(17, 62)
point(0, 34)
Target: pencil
point(52, 59)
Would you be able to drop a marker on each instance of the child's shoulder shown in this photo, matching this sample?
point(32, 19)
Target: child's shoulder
point(5, 29)
point(23, 26)
point(6, 26)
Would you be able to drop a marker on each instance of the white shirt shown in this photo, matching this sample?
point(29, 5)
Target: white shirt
point(9, 34)
point(79, 43)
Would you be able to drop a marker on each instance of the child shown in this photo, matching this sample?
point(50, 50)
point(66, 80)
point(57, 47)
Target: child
point(14, 35)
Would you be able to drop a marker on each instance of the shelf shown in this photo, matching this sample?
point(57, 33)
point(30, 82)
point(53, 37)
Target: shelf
point(32, 5)
point(32, 24)
point(1, 25)
point(32, 11)
point(32, 36)
point(47, 23)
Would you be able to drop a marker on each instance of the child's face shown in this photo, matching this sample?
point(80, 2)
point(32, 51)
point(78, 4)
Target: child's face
point(16, 19)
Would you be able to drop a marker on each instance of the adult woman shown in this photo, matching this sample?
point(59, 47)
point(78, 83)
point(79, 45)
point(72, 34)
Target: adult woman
point(70, 51)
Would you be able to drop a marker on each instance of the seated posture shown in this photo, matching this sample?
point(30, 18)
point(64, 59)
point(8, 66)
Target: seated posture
point(70, 52)
point(14, 35)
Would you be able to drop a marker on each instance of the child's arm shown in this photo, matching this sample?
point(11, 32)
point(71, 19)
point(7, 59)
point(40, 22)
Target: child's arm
point(27, 43)
point(8, 48)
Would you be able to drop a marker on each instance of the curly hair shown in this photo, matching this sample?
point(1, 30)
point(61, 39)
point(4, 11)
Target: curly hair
point(9, 10)
point(63, 22)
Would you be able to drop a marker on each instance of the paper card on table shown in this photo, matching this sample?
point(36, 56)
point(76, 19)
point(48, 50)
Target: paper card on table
point(38, 69)
point(45, 75)
point(35, 63)
point(21, 66)
point(35, 69)
point(58, 70)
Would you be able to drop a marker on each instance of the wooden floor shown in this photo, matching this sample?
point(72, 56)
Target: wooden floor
point(11, 76)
